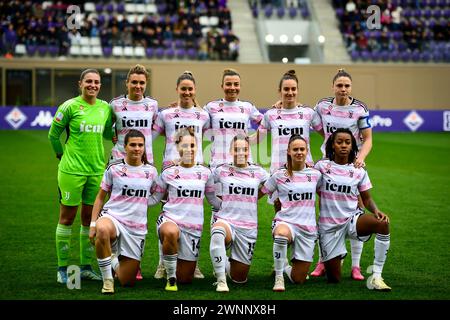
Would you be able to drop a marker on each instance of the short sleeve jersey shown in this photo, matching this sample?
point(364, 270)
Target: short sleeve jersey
point(354, 116)
point(297, 195)
point(240, 188)
point(283, 123)
point(130, 188)
point(341, 185)
point(227, 120)
point(139, 115)
point(170, 120)
point(186, 188)
point(85, 124)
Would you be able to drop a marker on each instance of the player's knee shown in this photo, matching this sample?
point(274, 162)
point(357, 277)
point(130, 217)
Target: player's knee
point(383, 227)
point(298, 279)
point(102, 233)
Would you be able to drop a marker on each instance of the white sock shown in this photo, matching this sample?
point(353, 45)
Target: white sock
point(115, 263)
point(288, 271)
point(160, 253)
point(357, 247)
point(382, 242)
point(227, 266)
point(218, 252)
point(279, 254)
point(105, 267)
point(170, 263)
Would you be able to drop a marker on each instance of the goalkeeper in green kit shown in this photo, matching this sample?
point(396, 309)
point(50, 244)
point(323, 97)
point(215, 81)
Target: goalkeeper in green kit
point(86, 120)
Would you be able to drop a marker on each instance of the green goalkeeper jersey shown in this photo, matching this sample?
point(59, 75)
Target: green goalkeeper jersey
point(85, 125)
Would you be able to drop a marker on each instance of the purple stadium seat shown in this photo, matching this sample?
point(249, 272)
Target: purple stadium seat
point(192, 53)
point(437, 56)
point(292, 12)
point(174, 19)
point(120, 8)
point(442, 3)
point(305, 12)
point(447, 13)
point(394, 55)
point(179, 44)
point(402, 46)
point(354, 55)
point(53, 50)
point(365, 55)
point(181, 53)
point(437, 13)
point(255, 12)
point(169, 53)
point(268, 11)
point(168, 43)
point(110, 8)
point(149, 52)
point(31, 49)
point(427, 13)
point(432, 3)
point(340, 12)
point(99, 7)
point(376, 55)
point(405, 56)
point(384, 55)
point(280, 12)
point(425, 56)
point(107, 51)
point(415, 56)
point(42, 50)
point(159, 52)
point(161, 8)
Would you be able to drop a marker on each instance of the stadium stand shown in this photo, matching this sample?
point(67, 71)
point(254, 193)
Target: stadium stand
point(411, 31)
point(200, 29)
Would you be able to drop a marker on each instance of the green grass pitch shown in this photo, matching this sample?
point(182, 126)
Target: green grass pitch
point(411, 177)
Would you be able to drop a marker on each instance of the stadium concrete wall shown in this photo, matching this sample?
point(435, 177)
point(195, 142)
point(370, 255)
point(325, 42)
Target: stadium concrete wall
point(380, 86)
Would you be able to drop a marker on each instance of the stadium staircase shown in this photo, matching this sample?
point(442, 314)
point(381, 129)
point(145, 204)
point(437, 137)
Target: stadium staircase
point(334, 47)
point(244, 28)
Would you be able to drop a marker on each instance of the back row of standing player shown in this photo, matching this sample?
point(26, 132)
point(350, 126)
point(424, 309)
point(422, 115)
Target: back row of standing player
point(230, 116)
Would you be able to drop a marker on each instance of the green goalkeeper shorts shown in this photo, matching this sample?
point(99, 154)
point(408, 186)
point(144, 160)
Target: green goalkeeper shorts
point(75, 189)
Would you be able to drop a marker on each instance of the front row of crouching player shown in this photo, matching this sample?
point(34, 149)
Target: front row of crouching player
point(119, 227)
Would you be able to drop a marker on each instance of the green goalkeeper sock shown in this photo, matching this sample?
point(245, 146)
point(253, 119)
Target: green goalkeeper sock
point(86, 248)
point(63, 234)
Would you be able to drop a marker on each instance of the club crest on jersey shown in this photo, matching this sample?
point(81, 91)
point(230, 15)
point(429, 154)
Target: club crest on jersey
point(231, 174)
point(146, 107)
point(176, 113)
point(124, 172)
point(351, 173)
point(124, 105)
point(177, 176)
point(252, 173)
point(350, 114)
point(328, 168)
point(242, 109)
point(147, 174)
point(199, 175)
point(197, 114)
point(300, 114)
point(309, 177)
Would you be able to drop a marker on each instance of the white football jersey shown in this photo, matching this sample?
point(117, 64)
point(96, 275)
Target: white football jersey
point(170, 120)
point(283, 123)
point(139, 115)
point(341, 185)
point(240, 188)
point(130, 188)
point(297, 195)
point(354, 116)
point(227, 120)
point(186, 189)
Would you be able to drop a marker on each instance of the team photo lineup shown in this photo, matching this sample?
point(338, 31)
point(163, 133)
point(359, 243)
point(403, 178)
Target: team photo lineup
point(114, 201)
